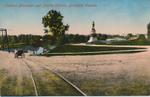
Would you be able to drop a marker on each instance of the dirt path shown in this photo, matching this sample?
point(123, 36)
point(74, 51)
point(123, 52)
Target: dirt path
point(46, 67)
point(31, 75)
point(29, 78)
point(112, 69)
point(97, 65)
point(109, 71)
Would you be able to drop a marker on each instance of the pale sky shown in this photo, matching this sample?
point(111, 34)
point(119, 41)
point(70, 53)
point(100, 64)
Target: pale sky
point(110, 16)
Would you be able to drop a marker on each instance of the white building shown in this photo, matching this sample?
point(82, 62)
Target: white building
point(40, 50)
point(115, 39)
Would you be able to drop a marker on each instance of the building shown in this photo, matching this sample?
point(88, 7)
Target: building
point(40, 50)
point(115, 39)
point(93, 36)
point(133, 38)
point(148, 31)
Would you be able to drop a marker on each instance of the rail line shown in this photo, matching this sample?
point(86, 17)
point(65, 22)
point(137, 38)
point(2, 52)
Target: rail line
point(60, 76)
point(32, 78)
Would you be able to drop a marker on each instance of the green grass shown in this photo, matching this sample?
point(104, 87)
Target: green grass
point(75, 48)
point(49, 84)
point(10, 87)
point(109, 85)
point(3, 73)
point(93, 53)
point(101, 88)
point(17, 45)
point(135, 42)
point(27, 87)
point(89, 50)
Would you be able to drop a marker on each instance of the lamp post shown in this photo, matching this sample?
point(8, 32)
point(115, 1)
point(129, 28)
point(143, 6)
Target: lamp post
point(148, 32)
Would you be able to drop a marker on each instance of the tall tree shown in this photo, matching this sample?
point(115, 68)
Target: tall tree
point(53, 23)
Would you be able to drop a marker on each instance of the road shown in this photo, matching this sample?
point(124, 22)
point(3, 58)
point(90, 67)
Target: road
point(24, 77)
point(111, 68)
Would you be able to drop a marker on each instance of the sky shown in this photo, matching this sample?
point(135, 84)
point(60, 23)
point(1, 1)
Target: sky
point(110, 16)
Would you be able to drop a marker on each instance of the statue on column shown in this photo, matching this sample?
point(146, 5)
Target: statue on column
point(93, 36)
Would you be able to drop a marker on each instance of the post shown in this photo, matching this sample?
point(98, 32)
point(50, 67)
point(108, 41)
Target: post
point(5, 41)
point(2, 40)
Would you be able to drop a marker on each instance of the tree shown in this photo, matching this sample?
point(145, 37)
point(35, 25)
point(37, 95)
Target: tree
point(142, 37)
point(53, 23)
point(129, 35)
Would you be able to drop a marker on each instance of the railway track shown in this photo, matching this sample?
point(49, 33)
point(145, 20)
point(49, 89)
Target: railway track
point(57, 74)
point(32, 78)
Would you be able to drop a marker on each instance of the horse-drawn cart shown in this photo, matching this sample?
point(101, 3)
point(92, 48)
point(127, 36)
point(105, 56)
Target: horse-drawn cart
point(19, 53)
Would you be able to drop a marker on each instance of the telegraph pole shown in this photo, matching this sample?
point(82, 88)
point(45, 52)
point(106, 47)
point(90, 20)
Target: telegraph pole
point(5, 41)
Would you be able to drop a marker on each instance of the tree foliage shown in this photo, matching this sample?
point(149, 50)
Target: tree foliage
point(53, 23)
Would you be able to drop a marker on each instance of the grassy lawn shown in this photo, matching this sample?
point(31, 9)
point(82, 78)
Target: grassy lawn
point(119, 85)
point(12, 86)
point(132, 43)
point(75, 48)
point(47, 84)
point(91, 53)
point(102, 88)
point(17, 45)
point(90, 50)
point(50, 84)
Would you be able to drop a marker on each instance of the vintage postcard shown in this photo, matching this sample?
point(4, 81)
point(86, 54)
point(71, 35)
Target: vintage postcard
point(74, 47)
